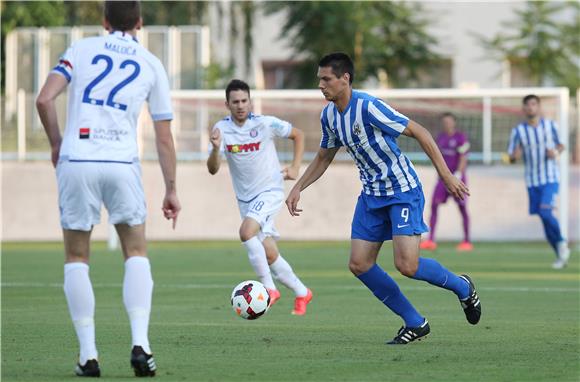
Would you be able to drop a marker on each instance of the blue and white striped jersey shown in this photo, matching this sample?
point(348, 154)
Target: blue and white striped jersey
point(368, 129)
point(534, 142)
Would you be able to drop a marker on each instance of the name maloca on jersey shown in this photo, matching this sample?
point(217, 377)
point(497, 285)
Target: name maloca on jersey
point(243, 147)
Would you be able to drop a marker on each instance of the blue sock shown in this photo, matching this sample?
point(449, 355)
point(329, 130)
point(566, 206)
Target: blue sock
point(551, 228)
point(435, 274)
point(387, 290)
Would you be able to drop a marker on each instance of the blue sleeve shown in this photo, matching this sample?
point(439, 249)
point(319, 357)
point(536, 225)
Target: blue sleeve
point(555, 133)
point(329, 139)
point(514, 141)
point(387, 119)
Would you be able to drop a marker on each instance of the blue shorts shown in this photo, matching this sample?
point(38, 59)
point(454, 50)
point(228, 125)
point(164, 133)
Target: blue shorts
point(542, 195)
point(379, 218)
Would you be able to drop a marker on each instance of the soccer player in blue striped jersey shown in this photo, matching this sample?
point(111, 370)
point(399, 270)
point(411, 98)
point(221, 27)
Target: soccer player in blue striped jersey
point(390, 206)
point(537, 138)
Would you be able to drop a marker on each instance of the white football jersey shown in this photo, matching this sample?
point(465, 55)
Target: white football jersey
point(251, 154)
point(110, 77)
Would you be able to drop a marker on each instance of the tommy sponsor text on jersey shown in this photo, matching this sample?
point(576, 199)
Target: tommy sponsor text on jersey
point(251, 153)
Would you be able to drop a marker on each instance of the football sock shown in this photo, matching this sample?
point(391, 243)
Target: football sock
point(257, 256)
point(137, 294)
point(551, 228)
point(388, 292)
point(435, 274)
point(283, 272)
point(465, 216)
point(433, 220)
point(81, 305)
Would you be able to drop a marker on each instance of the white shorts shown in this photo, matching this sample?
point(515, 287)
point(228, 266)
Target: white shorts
point(84, 186)
point(263, 209)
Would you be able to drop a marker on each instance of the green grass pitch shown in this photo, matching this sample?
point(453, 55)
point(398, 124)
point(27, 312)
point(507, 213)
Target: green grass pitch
point(529, 329)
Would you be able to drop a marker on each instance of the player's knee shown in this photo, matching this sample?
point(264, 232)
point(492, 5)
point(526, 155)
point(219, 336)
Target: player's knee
point(545, 212)
point(406, 267)
point(358, 267)
point(271, 256)
point(246, 234)
point(75, 255)
point(435, 205)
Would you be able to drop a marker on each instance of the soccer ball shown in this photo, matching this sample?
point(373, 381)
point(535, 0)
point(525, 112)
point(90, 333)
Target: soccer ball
point(250, 299)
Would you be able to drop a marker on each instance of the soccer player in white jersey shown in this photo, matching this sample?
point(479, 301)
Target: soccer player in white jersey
point(390, 206)
point(97, 163)
point(247, 140)
point(537, 138)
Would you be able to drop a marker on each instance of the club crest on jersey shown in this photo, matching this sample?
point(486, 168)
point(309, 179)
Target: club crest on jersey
point(84, 133)
point(253, 133)
point(243, 148)
point(356, 128)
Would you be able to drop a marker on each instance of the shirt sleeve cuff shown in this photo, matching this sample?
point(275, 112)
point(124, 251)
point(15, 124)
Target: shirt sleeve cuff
point(62, 72)
point(162, 117)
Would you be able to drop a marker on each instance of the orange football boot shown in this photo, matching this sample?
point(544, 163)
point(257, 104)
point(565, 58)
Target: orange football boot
point(464, 246)
point(428, 245)
point(274, 296)
point(300, 304)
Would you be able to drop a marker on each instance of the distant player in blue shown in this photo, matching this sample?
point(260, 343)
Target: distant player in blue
point(538, 139)
point(391, 203)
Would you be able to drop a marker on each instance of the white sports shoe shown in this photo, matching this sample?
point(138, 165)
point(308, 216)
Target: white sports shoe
point(563, 255)
point(558, 264)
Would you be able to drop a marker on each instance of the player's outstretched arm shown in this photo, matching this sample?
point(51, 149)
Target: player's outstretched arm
point(454, 185)
point(168, 162)
point(314, 171)
point(55, 84)
point(214, 161)
point(291, 173)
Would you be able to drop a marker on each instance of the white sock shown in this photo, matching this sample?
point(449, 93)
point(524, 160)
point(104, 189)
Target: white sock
point(283, 272)
point(81, 305)
point(137, 295)
point(257, 256)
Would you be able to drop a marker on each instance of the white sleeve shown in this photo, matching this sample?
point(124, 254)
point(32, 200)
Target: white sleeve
point(160, 97)
point(66, 63)
point(279, 128)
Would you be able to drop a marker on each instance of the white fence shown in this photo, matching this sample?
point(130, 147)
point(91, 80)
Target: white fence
point(487, 115)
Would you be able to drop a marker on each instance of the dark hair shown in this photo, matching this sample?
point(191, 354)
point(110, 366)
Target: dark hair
point(449, 114)
point(237, 85)
point(530, 97)
point(122, 15)
point(340, 64)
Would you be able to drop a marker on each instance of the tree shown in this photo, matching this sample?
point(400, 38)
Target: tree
point(60, 13)
point(540, 36)
point(28, 14)
point(383, 37)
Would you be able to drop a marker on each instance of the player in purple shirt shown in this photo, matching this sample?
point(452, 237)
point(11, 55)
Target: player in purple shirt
point(454, 146)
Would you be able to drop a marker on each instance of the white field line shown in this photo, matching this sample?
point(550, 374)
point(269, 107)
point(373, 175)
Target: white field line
point(227, 287)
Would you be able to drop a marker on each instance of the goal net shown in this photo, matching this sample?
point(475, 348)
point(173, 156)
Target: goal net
point(486, 115)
